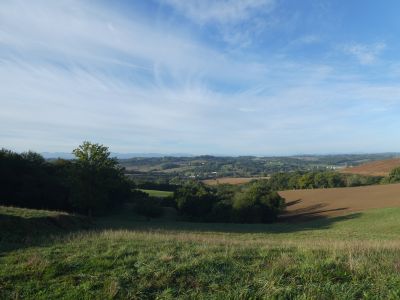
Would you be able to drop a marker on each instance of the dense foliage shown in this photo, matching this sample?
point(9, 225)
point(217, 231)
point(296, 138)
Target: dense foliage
point(393, 177)
point(92, 182)
point(257, 204)
point(95, 183)
point(320, 179)
point(27, 180)
point(253, 203)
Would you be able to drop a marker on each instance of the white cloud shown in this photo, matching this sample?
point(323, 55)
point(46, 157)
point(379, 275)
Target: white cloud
point(365, 54)
point(239, 22)
point(72, 70)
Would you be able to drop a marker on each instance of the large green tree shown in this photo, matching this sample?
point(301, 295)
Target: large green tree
point(98, 182)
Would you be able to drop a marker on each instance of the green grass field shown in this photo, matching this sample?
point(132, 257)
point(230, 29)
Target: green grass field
point(122, 257)
point(157, 193)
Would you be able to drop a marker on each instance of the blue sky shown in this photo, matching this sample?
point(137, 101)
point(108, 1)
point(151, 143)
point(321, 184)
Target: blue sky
point(260, 77)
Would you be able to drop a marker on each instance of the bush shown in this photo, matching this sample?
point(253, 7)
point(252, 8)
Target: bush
point(394, 176)
point(257, 204)
point(195, 200)
point(361, 180)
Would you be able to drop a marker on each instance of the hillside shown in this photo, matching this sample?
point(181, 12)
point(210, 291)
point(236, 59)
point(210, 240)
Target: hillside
point(340, 201)
point(18, 224)
point(375, 168)
point(211, 167)
point(231, 180)
point(351, 257)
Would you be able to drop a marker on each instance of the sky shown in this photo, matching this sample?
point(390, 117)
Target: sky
point(223, 77)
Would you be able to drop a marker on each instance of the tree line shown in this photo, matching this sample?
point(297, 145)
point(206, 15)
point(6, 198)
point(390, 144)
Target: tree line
point(92, 183)
point(195, 201)
point(320, 179)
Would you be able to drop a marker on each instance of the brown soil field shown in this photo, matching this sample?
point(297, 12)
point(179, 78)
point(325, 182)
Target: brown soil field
point(375, 168)
point(231, 180)
point(339, 201)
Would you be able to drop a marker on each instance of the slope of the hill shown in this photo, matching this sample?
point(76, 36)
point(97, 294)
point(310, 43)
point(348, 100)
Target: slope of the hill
point(375, 168)
point(351, 257)
point(22, 224)
point(340, 201)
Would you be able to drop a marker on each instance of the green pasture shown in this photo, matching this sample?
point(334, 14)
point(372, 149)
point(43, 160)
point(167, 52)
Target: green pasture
point(125, 257)
point(157, 193)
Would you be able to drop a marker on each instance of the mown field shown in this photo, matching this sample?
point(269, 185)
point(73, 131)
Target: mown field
point(44, 256)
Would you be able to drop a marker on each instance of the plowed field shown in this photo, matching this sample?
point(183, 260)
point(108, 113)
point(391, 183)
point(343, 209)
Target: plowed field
point(340, 201)
point(375, 168)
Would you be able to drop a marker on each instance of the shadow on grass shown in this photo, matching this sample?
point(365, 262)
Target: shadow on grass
point(20, 232)
point(286, 224)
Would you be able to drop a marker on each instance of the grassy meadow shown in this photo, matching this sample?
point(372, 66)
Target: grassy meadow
point(124, 257)
point(157, 193)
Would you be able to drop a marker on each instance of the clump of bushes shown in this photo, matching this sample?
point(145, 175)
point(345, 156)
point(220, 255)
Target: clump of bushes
point(253, 203)
point(393, 177)
point(195, 200)
point(257, 204)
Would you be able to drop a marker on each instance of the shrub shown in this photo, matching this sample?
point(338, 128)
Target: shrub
point(257, 204)
point(394, 176)
point(195, 200)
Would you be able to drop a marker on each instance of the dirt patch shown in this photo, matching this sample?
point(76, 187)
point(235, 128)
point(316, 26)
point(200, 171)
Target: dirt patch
point(340, 201)
point(375, 168)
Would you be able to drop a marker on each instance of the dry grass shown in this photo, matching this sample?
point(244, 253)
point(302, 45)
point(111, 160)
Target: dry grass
point(375, 168)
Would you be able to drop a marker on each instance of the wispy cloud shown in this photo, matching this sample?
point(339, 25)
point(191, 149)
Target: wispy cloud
point(365, 54)
point(220, 11)
point(74, 70)
point(237, 21)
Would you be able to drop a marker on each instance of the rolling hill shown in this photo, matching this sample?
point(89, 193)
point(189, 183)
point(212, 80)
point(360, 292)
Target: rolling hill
point(348, 257)
point(375, 168)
